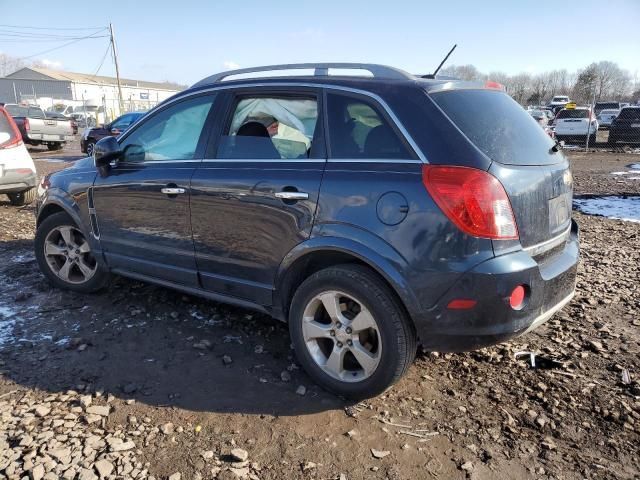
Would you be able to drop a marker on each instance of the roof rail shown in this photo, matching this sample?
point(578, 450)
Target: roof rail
point(320, 69)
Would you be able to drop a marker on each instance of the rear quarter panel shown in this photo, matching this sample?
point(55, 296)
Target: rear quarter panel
point(425, 248)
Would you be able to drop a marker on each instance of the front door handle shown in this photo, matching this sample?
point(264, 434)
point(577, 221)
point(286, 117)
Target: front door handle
point(292, 195)
point(172, 190)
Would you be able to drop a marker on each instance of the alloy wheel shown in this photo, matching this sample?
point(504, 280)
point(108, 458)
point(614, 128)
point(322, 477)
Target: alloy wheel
point(90, 148)
point(68, 255)
point(342, 336)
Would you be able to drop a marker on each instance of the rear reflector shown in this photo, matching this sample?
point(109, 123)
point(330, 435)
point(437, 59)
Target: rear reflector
point(517, 297)
point(461, 304)
point(474, 200)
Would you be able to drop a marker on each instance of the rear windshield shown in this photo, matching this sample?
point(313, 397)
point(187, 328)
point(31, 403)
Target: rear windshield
point(573, 114)
point(498, 126)
point(16, 110)
point(560, 99)
point(603, 105)
point(629, 114)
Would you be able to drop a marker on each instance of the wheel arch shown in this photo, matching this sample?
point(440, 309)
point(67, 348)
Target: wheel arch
point(323, 252)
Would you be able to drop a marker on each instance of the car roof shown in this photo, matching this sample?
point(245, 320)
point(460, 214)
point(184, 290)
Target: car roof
point(380, 78)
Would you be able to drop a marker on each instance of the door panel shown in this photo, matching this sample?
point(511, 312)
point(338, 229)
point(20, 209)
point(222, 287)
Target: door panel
point(269, 147)
point(142, 204)
point(143, 229)
point(241, 230)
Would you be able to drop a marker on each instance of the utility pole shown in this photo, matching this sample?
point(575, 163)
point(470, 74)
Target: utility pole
point(115, 60)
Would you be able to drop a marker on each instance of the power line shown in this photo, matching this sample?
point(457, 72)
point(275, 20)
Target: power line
point(51, 28)
point(103, 58)
point(38, 35)
point(61, 46)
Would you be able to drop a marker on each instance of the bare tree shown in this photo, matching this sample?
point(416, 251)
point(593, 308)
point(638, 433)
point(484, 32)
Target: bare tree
point(9, 64)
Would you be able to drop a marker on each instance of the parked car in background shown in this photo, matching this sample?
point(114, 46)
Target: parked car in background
point(575, 124)
point(605, 117)
point(37, 129)
point(599, 106)
point(625, 128)
point(17, 171)
point(539, 116)
point(371, 213)
point(91, 135)
point(558, 101)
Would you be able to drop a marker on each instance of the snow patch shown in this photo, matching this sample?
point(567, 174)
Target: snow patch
point(8, 320)
point(619, 208)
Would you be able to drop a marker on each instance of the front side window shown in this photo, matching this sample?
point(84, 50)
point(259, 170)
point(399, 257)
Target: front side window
point(172, 134)
point(358, 130)
point(265, 128)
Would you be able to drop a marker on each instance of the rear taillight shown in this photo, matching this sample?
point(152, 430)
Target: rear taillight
point(15, 139)
point(27, 127)
point(474, 200)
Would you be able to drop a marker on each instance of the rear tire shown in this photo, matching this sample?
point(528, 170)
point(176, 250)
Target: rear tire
point(368, 342)
point(90, 147)
point(65, 258)
point(22, 198)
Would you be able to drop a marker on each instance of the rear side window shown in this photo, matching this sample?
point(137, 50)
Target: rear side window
point(497, 125)
point(629, 114)
point(573, 114)
point(357, 129)
point(270, 128)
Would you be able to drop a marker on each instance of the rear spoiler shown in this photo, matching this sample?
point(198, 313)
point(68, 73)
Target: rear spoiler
point(464, 85)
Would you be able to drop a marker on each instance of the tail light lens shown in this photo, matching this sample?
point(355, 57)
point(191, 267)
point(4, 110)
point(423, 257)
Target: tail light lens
point(474, 200)
point(27, 126)
point(15, 139)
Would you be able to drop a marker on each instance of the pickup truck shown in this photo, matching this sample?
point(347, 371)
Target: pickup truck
point(38, 129)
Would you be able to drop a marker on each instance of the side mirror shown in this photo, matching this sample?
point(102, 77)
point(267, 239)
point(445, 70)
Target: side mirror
point(105, 151)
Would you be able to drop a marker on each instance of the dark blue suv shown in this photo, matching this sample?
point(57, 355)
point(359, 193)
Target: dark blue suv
point(371, 212)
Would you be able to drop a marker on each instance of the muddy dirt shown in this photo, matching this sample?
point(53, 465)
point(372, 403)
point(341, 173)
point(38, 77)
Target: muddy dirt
point(186, 382)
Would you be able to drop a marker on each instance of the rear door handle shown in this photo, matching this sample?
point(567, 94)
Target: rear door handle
point(292, 195)
point(172, 190)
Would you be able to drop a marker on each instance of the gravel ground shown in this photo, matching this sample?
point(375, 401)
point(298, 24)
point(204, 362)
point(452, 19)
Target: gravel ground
point(143, 382)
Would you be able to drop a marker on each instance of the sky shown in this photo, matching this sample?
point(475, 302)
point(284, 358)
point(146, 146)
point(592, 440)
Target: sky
point(189, 40)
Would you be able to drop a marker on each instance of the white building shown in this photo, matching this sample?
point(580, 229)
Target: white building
point(35, 83)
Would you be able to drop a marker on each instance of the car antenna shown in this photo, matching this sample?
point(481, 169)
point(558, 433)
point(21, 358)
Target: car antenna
point(433, 75)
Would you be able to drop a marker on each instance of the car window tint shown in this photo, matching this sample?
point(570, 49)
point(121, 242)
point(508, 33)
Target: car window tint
point(171, 134)
point(629, 114)
point(270, 128)
point(35, 113)
point(122, 122)
point(358, 130)
point(573, 114)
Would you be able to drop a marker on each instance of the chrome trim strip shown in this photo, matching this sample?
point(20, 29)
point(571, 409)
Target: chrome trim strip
point(540, 319)
point(372, 160)
point(542, 247)
point(308, 160)
point(263, 160)
point(377, 98)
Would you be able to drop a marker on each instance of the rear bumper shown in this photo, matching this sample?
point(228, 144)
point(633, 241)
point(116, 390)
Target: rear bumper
point(45, 138)
point(12, 181)
point(550, 285)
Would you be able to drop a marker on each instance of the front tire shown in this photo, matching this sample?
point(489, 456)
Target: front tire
point(350, 332)
point(64, 256)
point(90, 147)
point(22, 198)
